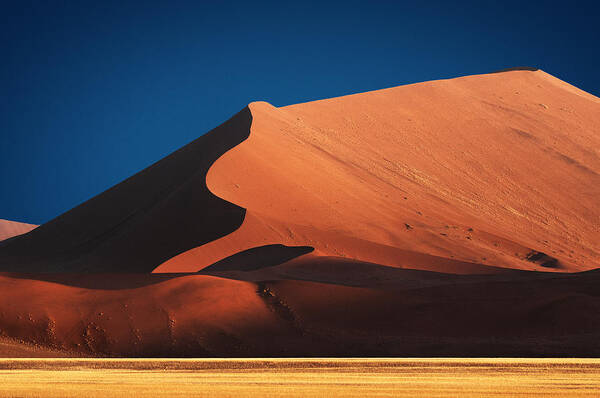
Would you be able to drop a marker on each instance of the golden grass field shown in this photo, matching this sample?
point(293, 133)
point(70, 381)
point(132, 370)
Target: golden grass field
point(299, 377)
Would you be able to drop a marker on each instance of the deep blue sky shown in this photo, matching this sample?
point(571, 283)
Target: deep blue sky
point(93, 92)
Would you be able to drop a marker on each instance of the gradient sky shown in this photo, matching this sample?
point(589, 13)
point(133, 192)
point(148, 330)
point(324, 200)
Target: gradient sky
point(93, 92)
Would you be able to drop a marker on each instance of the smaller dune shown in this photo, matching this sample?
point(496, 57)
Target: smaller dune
point(8, 229)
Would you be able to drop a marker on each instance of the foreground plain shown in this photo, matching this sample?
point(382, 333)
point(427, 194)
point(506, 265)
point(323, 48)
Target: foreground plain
point(414, 377)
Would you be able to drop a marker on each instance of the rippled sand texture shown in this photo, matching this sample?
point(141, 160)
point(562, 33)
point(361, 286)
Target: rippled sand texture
point(300, 378)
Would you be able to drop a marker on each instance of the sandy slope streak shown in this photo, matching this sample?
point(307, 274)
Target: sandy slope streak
point(481, 169)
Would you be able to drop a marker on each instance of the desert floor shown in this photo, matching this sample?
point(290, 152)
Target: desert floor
point(299, 377)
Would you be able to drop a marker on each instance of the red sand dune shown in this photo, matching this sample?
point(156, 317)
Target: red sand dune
point(8, 229)
point(481, 169)
point(404, 221)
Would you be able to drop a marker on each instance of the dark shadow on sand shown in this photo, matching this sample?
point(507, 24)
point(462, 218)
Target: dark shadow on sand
point(162, 211)
point(97, 281)
point(353, 273)
point(258, 257)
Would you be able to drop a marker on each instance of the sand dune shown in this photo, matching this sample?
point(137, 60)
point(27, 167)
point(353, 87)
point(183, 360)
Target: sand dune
point(399, 313)
point(482, 169)
point(451, 217)
point(8, 229)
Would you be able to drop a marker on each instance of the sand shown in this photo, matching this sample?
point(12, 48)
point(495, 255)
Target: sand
point(481, 169)
point(301, 378)
point(448, 217)
point(477, 153)
point(8, 229)
point(332, 310)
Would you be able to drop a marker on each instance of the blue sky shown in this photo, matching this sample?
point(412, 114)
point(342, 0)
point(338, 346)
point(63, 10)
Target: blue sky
point(93, 92)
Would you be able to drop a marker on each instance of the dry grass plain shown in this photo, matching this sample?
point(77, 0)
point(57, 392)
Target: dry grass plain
point(299, 377)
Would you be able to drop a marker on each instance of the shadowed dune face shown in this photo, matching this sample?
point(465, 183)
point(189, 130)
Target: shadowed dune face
point(531, 316)
point(9, 229)
point(158, 213)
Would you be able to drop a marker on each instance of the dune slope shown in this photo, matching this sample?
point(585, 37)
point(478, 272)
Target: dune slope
point(500, 169)
point(8, 229)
